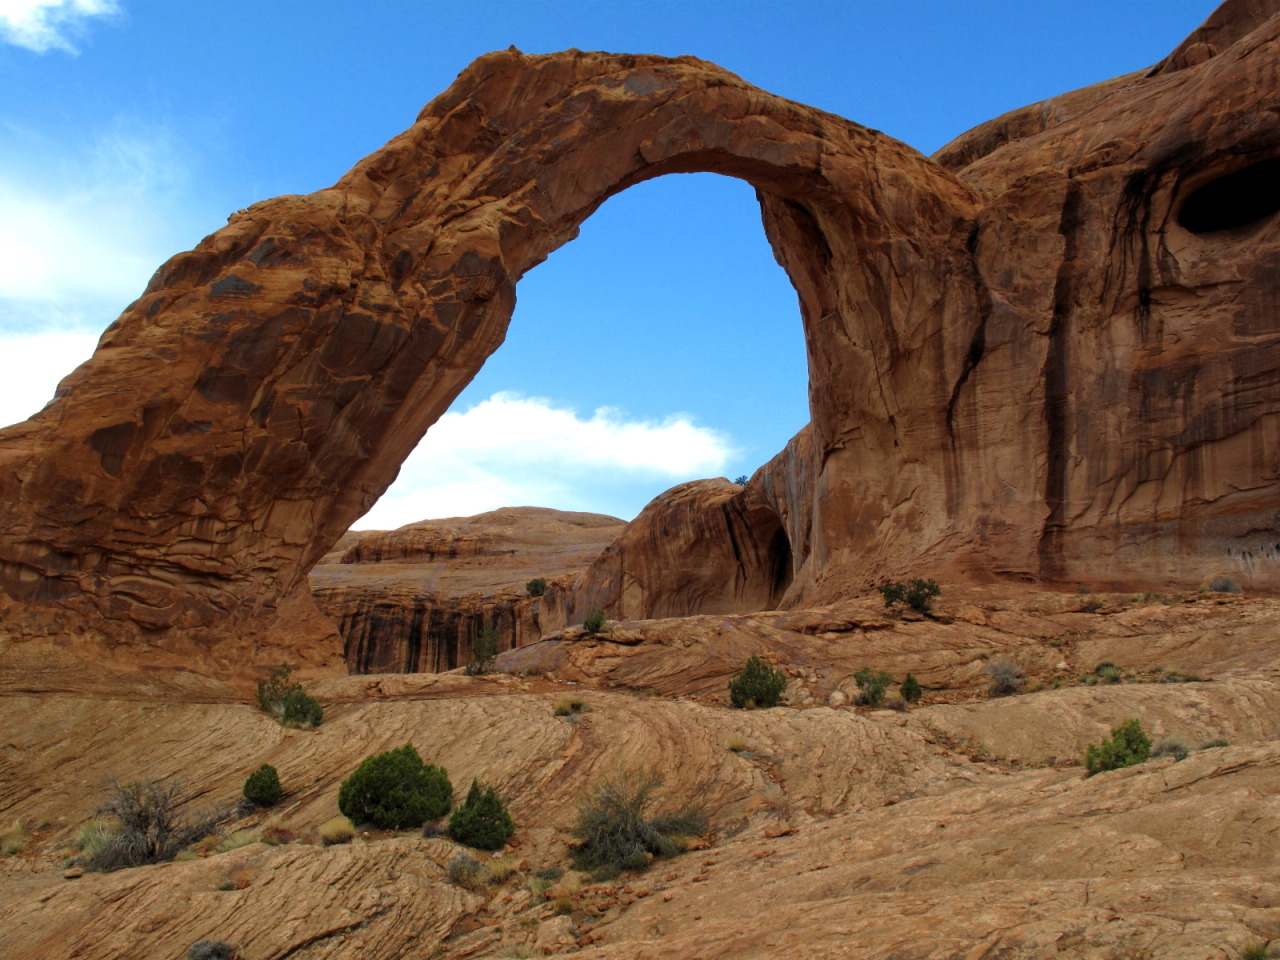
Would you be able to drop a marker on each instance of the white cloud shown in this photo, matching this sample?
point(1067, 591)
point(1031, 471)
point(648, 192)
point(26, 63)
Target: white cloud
point(85, 226)
point(43, 25)
point(32, 365)
point(511, 450)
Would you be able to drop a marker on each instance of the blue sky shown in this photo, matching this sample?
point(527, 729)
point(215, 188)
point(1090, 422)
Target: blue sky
point(662, 345)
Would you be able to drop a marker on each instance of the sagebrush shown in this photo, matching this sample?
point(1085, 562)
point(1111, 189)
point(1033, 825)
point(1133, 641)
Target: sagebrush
point(756, 685)
point(148, 824)
point(614, 832)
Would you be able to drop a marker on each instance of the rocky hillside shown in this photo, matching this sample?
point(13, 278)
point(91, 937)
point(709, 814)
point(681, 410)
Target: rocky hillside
point(962, 827)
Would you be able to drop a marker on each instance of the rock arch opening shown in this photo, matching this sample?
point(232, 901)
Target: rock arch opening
point(1236, 199)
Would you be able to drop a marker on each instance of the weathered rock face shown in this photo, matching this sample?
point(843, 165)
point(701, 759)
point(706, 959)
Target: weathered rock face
point(413, 599)
point(1051, 353)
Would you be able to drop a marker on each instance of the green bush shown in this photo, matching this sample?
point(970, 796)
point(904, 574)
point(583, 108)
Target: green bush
point(536, 587)
point(301, 710)
point(872, 685)
point(756, 685)
point(285, 700)
point(614, 832)
point(916, 593)
point(482, 821)
point(484, 651)
point(1128, 745)
point(594, 621)
point(395, 790)
point(910, 689)
point(263, 786)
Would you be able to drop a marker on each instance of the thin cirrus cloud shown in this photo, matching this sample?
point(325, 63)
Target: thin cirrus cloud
point(44, 25)
point(510, 450)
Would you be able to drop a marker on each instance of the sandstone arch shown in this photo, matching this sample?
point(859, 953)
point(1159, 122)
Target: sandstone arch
point(1019, 366)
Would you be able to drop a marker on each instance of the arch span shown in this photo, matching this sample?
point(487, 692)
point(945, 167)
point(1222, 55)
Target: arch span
point(1020, 363)
point(262, 392)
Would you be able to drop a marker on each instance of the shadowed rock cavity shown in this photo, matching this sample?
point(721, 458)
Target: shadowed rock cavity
point(1024, 360)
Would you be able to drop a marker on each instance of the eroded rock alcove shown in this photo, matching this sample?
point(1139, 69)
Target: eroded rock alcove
point(1042, 354)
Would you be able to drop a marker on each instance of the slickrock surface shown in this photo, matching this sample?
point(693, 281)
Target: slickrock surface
point(413, 599)
point(961, 828)
point(1047, 354)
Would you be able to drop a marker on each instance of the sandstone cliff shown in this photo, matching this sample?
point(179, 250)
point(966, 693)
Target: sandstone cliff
point(413, 599)
point(1047, 354)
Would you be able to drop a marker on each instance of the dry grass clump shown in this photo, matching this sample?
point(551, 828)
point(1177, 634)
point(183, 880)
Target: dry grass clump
point(568, 705)
point(467, 872)
point(337, 830)
point(13, 838)
point(234, 841)
point(503, 869)
point(737, 744)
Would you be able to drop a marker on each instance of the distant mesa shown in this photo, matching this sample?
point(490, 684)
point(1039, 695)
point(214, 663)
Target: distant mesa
point(1049, 353)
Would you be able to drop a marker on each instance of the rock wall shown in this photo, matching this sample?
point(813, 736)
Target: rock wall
point(1049, 353)
point(414, 599)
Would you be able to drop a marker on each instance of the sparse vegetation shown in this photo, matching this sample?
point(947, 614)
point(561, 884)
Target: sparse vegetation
point(466, 871)
point(756, 685)
point(285, 700)
point(482, 821)
point(212, 950)
point(335, 831)
point(395, 790)
point(13, 838)
point(567, 706)
point(910, 689)
point(263, 786)
point(1128, 745)
point(614, 832)
point(1006, 677)
point(536, 587)
point(1108, 672)
point(594, 621)
point(147, 826)
point(916, 593)
point(872, 685)
point(1171, 747)
point(484, 651)
point(737, 744)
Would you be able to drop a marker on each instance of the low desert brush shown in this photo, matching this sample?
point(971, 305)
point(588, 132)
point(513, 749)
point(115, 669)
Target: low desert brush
point(614, 831)
point(337, 830)
point(568, 705)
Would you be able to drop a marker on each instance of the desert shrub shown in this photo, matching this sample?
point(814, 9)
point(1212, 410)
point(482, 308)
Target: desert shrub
point(263, 786)
point(1171, 747)
point(1214, 744)
point(741, 480)
point(872, 685)
point(466, 871)
point(148, 827)
point(1255, 951)
point(563, 905)
point(503, 869)
point(285, 700)
point(613, 829)
point(536, 587)
point(916, 593)
point(910, 689)
point(482, 821)
point(594, 621)
point(93, 833)
point(1128, 745)
point(396, 790)
point(568, 705)
point(756, 685)
point(737, 744)
point(895, 703)
point(301, 710)
point(13, 838)
point(276, 836)
point(484, 651)
point(211, 950)
point(234, 841)
point(1224, 585)
point(335, 831)
point(1006, 677)
point(1108, 672)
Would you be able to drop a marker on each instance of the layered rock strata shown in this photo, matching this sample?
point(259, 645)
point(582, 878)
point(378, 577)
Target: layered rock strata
point(414, 599)
point(1049, 353)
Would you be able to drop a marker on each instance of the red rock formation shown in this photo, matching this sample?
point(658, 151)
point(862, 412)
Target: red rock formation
point(413, 599)
point(1045, 355)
